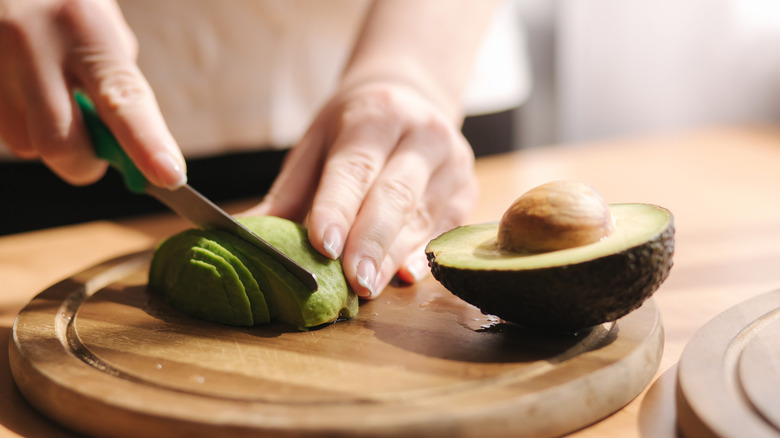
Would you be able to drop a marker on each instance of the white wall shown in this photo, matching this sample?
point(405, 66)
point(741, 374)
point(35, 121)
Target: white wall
point(625, 67)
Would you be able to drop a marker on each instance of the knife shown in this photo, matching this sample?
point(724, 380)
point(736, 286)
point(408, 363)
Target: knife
point(184, 201)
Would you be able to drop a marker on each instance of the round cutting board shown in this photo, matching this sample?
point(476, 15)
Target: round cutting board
point(728, 382)
point(100, 355)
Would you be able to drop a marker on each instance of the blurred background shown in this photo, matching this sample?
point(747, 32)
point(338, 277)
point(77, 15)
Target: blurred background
point(551, 71)
point(608, 68)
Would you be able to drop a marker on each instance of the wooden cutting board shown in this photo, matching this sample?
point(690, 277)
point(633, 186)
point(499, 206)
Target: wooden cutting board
point(728, 382)
point(98, 354)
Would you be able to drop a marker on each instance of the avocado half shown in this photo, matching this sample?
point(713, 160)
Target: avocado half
point(218, 277)
point(567, 289)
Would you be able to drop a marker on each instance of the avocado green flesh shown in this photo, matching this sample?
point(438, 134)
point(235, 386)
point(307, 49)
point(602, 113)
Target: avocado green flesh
point(218, 277)
point(562, 290)
point(476, 246)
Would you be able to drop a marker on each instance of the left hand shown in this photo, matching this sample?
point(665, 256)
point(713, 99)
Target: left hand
point(379, 173)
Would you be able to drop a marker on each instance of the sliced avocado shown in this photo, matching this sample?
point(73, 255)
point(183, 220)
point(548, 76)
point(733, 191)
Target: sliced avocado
point(192, 268)
point(241, 285)
point(289, 300)
point(567, 289)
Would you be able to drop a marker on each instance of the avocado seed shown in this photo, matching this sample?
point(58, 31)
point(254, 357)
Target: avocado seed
point(554, 216)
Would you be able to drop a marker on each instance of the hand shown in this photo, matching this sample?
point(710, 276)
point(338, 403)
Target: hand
point(52, 47)
point(379, 173)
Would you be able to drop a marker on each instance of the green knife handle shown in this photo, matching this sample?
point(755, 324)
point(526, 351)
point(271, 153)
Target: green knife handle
point(107, 147)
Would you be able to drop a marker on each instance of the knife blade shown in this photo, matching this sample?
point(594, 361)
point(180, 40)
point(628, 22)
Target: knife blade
point(184, 201)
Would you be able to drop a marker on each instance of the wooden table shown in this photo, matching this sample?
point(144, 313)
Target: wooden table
point(723, 185)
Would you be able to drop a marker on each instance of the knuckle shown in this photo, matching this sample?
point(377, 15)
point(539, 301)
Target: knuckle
point(80, 19)
point(102, 58)
point(349, 179)
point(360, 167)
point(378, 99)
point(436, 128)
point(399, 194)
point(121, 86)
point(376, 106)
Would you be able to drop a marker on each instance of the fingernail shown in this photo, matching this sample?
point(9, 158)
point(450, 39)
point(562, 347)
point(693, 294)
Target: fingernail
point(332, 242)
point(366, 276)
point(418, 268)
point(169, 170)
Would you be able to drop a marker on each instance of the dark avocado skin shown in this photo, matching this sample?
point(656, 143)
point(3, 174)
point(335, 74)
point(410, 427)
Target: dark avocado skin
point(568, 297)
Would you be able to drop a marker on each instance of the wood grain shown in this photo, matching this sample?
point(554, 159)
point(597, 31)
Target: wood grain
point(418, 361)
point(721, 183)
point(729, 374)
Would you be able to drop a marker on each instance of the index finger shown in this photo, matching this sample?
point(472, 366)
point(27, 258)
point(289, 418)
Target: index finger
point(366, 137)
point(105, 67)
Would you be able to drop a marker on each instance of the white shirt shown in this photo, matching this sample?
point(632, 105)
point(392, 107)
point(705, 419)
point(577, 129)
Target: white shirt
point(232, 75)
point(239, 74)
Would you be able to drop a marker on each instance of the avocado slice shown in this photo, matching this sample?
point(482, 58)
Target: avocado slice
point(218, 277)
point(567, 289)
point(197, 270)
point(291, 302)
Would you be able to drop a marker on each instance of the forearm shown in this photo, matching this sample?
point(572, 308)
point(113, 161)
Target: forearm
point(428, 45)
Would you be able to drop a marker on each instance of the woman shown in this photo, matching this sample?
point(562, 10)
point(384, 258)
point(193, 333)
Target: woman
point(370, 93)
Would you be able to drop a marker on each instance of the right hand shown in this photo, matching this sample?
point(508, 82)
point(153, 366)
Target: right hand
point(49, 49)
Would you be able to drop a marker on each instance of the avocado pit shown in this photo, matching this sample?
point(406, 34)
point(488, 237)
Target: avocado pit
point(553, 216)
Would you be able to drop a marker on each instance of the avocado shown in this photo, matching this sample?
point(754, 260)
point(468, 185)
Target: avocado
point(218, 277)
point(567, 289)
